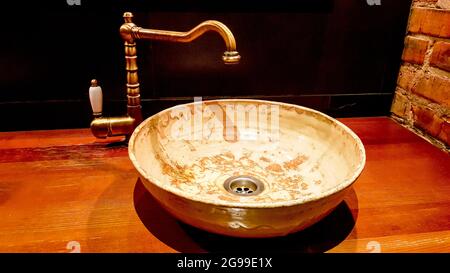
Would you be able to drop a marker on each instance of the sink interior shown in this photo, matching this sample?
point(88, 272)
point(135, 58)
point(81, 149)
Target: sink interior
point(247, 153)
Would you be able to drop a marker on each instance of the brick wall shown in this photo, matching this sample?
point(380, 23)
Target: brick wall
point(422, 96)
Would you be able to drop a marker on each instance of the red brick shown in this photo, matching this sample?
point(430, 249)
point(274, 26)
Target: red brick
point(435, 88)
point(405, 77)
point(400, 105)
point(414, 50)
point(427, 120)
point(434, 22)
point(444, 135)
point(441, 55)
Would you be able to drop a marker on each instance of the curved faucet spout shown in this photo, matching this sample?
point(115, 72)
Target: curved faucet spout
point(129, 32)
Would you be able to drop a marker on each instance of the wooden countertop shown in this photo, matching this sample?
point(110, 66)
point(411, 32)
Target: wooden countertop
point(63, 191)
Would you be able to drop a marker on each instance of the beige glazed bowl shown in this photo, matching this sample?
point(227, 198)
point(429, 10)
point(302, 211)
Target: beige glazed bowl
point(246, 168)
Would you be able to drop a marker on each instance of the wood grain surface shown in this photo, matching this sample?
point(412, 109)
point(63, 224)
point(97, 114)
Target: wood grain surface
point(65, 191)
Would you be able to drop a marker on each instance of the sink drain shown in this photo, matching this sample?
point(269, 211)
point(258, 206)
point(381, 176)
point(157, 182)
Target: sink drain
point(243, 185)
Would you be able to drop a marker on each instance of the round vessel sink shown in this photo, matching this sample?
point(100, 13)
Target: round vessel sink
point(246, 168)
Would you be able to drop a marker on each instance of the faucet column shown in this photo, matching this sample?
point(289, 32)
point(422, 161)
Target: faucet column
point(133, 91)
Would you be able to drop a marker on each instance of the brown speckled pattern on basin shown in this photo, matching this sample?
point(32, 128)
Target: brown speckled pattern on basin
point(305, 163)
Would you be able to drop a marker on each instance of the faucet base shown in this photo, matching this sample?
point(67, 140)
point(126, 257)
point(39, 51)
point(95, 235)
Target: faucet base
point(104, 127)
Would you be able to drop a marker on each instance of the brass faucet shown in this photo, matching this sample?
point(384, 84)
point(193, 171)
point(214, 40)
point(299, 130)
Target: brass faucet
point(103, 127)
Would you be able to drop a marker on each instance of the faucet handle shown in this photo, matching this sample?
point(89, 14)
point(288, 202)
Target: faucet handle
point(96, 98)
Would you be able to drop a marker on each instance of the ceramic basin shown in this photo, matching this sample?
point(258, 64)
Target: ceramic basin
point(246, 168)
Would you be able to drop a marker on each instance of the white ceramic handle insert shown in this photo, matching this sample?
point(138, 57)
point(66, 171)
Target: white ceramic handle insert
point(96, 98)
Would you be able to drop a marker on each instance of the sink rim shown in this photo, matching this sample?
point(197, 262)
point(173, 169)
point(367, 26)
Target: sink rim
point(236, 204)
